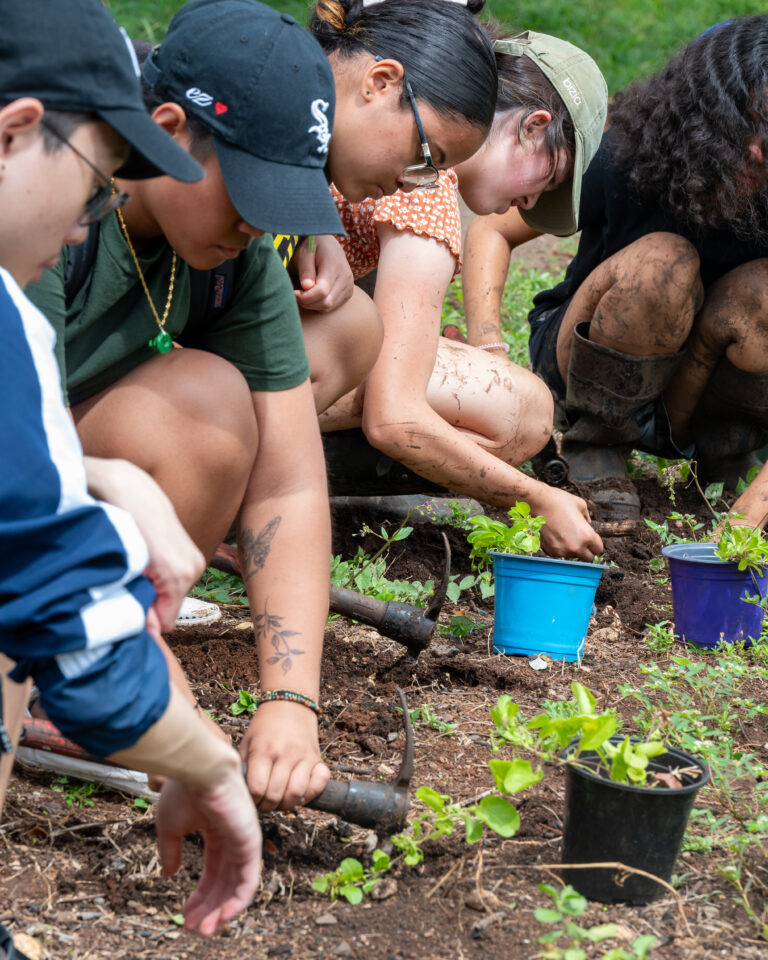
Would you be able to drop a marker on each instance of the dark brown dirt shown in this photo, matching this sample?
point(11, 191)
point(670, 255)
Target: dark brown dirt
point(85, 882)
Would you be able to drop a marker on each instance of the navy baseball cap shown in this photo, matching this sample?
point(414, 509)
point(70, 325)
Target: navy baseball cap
point(71, 55)
point(264, 88)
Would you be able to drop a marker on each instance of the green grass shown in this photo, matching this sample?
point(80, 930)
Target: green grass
point(628, 40)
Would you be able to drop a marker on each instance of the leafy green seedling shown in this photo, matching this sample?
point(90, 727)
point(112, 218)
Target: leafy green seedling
point(743, 544)
point(427, 717)
point(75, 794)
point(567, 903)
point(461, 627)
point(521, 537)
point(245, 703)
point(351, 880)
point(661, 636)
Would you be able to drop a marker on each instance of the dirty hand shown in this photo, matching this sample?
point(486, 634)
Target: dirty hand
point(282, 752)
point(175, 563)
point(325, 276)
point(567, 532)
point(227, 819)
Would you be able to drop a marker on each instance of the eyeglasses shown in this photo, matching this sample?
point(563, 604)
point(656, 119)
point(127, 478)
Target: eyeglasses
point(103, 201)
point(423, 175)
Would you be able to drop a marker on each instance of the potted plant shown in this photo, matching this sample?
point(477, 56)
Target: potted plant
point(715, 585)
point(627, 801)
point(541, 605)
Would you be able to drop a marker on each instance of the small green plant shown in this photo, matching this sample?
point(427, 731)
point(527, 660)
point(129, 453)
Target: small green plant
point(75, 794)
point(744, 544)
point(461, 627)
point(245, 703)
point(219, 587)
point(351, 880)
point(521, 537)
point(427, 717)
point(567, 903)
point(661, 636)
point(481, 581)
point(141, 803)
point(546, 736)
point(367, 574)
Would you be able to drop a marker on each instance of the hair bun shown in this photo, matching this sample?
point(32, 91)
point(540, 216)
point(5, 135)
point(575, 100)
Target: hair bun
point(475, 6)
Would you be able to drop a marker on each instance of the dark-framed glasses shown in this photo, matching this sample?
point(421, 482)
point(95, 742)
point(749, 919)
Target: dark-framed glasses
point(420, 175)
point(105, 199)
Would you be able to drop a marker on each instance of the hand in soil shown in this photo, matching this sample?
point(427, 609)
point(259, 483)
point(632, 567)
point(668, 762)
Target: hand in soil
point(227, 820)
point(282, 752)
point(567, 532)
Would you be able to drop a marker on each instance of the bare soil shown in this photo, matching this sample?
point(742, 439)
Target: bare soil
point(84, 882)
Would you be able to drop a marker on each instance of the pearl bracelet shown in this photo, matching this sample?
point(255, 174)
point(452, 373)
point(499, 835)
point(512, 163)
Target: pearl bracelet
point(499, 345)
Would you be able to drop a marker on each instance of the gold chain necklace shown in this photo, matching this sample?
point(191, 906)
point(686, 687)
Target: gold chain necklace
point(162, 342)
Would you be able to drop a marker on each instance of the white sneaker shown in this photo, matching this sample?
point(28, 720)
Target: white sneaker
point(195, 612)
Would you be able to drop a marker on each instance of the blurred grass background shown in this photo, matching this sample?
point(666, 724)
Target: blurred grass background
point(628, 39)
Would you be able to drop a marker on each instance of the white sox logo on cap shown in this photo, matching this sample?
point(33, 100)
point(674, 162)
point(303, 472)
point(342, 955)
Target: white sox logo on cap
point(196, 95)
point(320, 129)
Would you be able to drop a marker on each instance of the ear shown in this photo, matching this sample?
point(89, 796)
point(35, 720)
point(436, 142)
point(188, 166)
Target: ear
point(382, 77)
point(536, 123)
point(19, 124)
point(172, 118)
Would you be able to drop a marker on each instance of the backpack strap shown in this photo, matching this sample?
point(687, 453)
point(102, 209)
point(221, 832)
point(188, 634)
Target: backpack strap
point(80, 260)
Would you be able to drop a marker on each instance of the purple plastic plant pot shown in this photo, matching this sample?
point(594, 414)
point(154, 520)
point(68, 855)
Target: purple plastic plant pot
point(708, 596)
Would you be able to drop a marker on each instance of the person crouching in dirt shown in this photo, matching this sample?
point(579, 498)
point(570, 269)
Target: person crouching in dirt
point(655, 339)
point(83, 596)
point(460, 416)
point(212, 421)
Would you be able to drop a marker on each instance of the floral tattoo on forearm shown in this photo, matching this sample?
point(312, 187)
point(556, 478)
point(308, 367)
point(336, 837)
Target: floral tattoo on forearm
point(269, 626)
point(255, 550)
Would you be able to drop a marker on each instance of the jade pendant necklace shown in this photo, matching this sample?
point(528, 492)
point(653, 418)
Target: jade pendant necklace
point(162, 342)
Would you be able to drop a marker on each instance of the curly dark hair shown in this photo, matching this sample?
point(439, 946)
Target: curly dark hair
point(694, 137)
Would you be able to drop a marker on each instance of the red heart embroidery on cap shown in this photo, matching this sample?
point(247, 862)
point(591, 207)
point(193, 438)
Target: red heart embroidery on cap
point(220, 107)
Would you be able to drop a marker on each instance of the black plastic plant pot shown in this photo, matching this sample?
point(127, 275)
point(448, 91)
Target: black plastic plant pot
point(641, 827)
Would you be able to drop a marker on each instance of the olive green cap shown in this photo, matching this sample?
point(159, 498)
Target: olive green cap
point(577, 78)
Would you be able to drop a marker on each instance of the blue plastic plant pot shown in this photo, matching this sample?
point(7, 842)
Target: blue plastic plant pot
point(707, 596)
point(542, 605)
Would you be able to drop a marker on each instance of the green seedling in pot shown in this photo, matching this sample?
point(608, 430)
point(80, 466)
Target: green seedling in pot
point(547, 735)
point(521, 537)
point(744, 544)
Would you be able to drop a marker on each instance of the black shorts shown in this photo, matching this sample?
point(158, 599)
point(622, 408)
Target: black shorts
point(542, 347)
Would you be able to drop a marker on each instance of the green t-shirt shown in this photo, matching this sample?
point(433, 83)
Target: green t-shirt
point(105, 332)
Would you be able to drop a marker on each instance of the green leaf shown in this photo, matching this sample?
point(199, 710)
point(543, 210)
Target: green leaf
point(512, 776)
point(498, 814)
point(435, 801)
point(545, 915)
point(645, 942)
point(574, 953)
point(320, 884)
point(571, 902)
point(452, 591)
point(601, 932)
point(351, 894)
point(402, 534)
point(381, 861)
point(597, 732)
point(177, 918)
point(552, 935)
point(473, 830)
point(584, 698)
point(350, 869)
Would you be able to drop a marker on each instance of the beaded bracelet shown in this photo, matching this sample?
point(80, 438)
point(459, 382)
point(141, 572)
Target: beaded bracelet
point(500, 345)
point(292, 697)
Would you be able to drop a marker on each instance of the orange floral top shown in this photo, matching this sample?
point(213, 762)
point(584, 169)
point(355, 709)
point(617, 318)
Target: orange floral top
point(429, 213)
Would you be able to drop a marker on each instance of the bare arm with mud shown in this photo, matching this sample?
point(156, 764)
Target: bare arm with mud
point(455, 414)
point(284, 540)
point(489, 243)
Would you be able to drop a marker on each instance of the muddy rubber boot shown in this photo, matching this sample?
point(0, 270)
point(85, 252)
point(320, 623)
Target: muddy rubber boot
point(606, 390)
point(730, 423)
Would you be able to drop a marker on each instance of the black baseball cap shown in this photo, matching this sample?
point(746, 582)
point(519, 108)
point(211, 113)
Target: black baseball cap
point(71, 55)
point(264, 88)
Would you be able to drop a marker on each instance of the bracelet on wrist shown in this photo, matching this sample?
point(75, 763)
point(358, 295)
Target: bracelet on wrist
point(498, 345)
point(292, 697)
